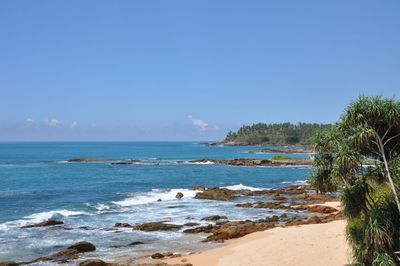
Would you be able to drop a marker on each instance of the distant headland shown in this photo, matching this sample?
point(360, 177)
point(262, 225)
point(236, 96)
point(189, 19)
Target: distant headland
point(280, 134)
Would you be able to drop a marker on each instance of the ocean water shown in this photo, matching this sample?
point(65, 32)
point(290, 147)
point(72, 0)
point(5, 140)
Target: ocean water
point(37, 183)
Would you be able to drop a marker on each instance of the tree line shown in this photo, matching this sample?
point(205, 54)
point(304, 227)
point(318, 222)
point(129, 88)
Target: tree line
point(275, 134)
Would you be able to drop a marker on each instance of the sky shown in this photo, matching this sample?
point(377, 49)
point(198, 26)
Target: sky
point(188, 70)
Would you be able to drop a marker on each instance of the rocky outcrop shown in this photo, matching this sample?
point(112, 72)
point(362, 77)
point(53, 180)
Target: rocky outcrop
point(316, 219)
point(237, 229)
point(198, 188)
point(70, 253)
point(165, 255)
point(135, 243)
point(277, 196)
point(157, 226)
point(315, 198)
point(290, 190)
point(179, 195)
point(315, 208)
point(201, 229)
point(157, 256)
point(80, 247)
point(228, 230)
point(93, 262)
point(214, 218)
point(126, 225)
point(97, 160)
point(261, 204)
point(8, 263)
point(191, 224)
point(255, 162)
point(85, 160)
point(222, 194)
point(45, 223)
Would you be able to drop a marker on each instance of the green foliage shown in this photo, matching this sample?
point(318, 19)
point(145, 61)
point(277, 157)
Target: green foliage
point(323, 178)
point(280, 158)
point(368, 132)
point(275, 134)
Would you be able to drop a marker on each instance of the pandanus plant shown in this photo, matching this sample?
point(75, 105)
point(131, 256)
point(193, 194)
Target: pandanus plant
point(363, 151)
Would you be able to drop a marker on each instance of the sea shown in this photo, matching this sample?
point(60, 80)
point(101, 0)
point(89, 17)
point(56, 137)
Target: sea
point(38, 183)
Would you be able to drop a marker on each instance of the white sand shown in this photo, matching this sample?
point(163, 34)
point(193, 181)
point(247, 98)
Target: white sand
point(307, 245)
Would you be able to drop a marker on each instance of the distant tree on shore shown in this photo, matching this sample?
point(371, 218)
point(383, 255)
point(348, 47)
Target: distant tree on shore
point(274, 134)
point(362, 155)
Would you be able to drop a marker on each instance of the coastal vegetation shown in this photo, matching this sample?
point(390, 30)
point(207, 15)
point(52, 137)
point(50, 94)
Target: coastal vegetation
point(274, 134)
point(360, 156)
point(280, 158)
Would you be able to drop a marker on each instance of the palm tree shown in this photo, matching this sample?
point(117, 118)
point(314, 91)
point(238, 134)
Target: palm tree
point(367, 133)
point(373, 124)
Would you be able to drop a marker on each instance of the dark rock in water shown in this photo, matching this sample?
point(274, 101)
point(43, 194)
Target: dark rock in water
point(201, 229)
point(222, 194)
point(84, 228)
point(277, 196)
point(135, 243)
point(198, 188)
point(69, 253)
point(175, 206)
point(179, 195)
point(122, 225)
point(84, 160)
point(157, 256)
point(93, 262)
point(45, 223)
point(128, 245)
point(82, 246)
point(191, 224)
point(159, 200)
point(255, 162)
point(8, 263)
point(244, 205)
point(157, 226)
point(273, 218)
point(261, 204)
point(214, 218)
point(79, 247)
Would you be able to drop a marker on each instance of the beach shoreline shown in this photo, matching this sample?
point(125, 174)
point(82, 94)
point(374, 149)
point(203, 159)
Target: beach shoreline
point(309, 244)
point(314, 244)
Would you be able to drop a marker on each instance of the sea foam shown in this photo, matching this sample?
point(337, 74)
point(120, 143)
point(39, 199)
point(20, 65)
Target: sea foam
point(240, 187)
point(154, 196)
point(55, 214)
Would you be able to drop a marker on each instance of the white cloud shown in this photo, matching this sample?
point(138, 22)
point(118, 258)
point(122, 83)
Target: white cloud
point(30, 121)
point(202, 125)
point(73, 125)
point(51, 122)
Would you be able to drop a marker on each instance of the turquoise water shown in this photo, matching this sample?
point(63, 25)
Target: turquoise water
point(37, 183)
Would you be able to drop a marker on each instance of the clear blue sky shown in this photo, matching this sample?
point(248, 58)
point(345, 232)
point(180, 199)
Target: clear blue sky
point(188, 70)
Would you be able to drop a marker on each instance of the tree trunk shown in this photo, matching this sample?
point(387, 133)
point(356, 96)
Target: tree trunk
point(392, 186)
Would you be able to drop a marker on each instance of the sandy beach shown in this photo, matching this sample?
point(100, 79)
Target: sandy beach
point(314, 244)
